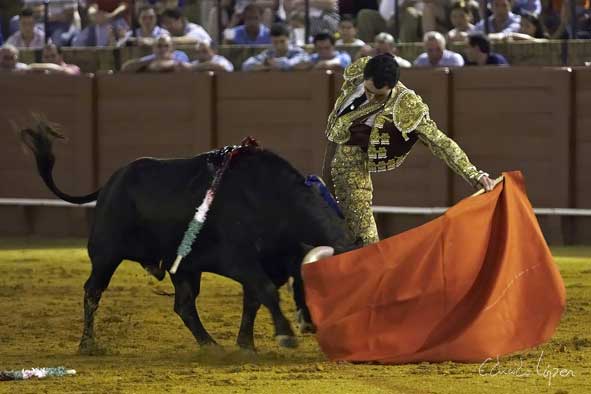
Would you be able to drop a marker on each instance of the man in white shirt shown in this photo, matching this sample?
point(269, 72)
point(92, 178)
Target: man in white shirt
point(9, 59)
point(384, 43)
point(208, 60)
point(183, 32)
point(27, 36)
point(348, 32)
point(436, 55)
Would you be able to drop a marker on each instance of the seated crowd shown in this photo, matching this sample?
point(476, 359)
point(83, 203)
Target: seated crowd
point(161, 25)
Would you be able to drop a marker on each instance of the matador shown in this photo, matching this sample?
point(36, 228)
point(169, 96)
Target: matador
point(375, 122)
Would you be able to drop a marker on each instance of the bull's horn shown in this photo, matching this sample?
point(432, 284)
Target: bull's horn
point(318, 253)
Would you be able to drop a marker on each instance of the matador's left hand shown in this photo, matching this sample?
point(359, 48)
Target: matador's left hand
point(487, 183)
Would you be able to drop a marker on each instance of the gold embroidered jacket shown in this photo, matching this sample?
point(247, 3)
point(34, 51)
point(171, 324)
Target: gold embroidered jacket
point(403, 112)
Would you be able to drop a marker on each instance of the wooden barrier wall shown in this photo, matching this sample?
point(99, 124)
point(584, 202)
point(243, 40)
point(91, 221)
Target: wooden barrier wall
point(64, 100)
point(531, 119)
point(163, 115)
point(285, 112)
point(581, 157)
point(516, 119)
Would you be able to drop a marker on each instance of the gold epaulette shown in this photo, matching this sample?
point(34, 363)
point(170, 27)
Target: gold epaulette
point(408, 111)
point(354, 71)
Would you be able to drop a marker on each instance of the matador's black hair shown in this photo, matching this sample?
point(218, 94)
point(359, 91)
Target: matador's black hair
point(383, 70)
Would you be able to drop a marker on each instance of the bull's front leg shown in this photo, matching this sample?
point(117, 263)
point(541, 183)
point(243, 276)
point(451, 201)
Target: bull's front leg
point(186, 291)
point(256, 279)
point(250, 307)
point(304, 320)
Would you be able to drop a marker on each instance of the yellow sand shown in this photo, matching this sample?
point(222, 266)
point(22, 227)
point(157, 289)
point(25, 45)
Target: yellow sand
point(147, 349)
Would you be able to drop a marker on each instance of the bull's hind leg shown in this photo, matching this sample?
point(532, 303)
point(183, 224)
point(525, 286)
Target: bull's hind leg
point(250, 307)
point(100, 276)
point(186, 290)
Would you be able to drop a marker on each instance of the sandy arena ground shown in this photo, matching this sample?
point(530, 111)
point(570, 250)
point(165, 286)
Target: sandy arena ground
point(145, 348)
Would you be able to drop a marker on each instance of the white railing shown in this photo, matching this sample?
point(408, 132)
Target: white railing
point(42, 202)
point(440, 210)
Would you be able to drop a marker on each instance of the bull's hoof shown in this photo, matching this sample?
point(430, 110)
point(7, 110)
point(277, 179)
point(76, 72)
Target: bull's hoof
point(305, 326)
point(88, 347)
point(287, 341)
point(212, 351)
point(247, 351)
point(213, 347)
point(246, 345)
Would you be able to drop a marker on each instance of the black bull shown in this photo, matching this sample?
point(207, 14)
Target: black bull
point(262, 219)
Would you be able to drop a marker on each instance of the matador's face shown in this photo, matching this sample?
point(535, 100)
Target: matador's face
point(373, 93)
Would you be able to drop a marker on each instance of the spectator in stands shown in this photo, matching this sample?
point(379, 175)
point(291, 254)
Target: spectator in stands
point(272, 11)
point(163, 59)
point(105, 28)
point(324, 15)
point(38, 14)
point(531, 29)
point(281, 56)
point(53, 62)
point(9, 59)
point(163, 5)
point(583, 21)
point(228, 19)
point(114, 8)
point(435, 16)
point(436, 55)
point(296, 21)
point(550, 16)
point(383, 43)
point(27, 36)
point(1, 36)
point(325, 56)
point(183, 31)
point(148, 31)
point(502, 19)
point(479, 54)
point(371, 22)
point(348, 32)
point(460, 16)
point(253, 32)
point(209, 60)
point(63, 19)
point(532, 6)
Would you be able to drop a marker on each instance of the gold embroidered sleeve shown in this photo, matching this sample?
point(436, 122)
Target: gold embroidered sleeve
point(339, 132)
point(408, 111)
point(447, 150)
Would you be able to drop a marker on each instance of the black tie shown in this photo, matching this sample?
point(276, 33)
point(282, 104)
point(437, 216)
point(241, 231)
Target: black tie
point(354, 105)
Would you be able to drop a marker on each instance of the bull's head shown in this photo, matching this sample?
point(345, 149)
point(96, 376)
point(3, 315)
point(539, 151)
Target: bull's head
point(330, 230)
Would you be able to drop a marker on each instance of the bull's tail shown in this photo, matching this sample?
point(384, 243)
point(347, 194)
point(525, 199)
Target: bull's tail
point(39, 139)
